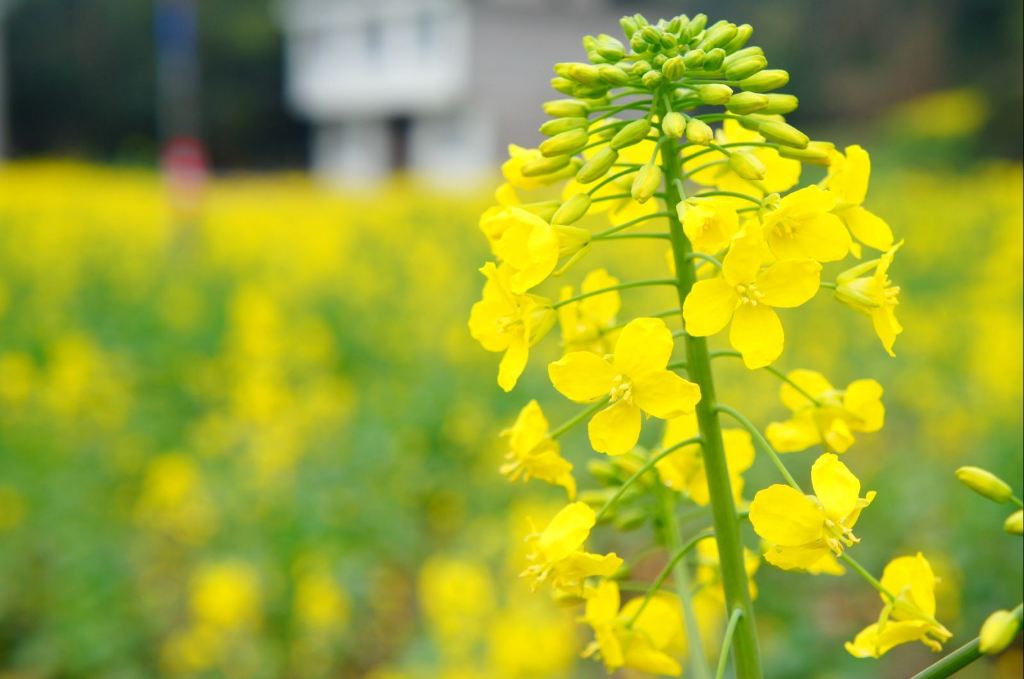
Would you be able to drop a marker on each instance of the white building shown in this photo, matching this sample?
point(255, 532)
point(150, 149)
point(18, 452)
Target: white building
point(431, 86)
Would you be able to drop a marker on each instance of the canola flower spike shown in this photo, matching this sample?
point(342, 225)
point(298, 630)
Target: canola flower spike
point(534, 454)
point(831, 419)
point(802, 531)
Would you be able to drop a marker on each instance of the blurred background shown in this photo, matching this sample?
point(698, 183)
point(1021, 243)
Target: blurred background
point(243, 430)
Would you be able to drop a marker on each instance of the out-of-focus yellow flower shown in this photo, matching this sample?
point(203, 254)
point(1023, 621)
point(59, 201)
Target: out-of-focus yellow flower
point(781, 174)
point(832, 420)
point(509, 322)
point(944, 114)
point(532, 453)
point(319, 601)
point(634, 380)
point(908, 618)
point(709, 223)
point(684, 470)
point(709, 574)
point(802, 530)
point(873, 295)
point(847, 178)
point(745, 294)
point(457, 596)
point(585, 323)
point(174, 499)
point(557, 553)
point(652, 642)
point(802, 226)
point(226, 595)
point(531, 641)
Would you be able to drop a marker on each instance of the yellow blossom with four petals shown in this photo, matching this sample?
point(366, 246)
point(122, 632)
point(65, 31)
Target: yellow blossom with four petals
point(848, 175)
point(874, 295)
point(557, 555)
point(534, 454)
point(684, 471)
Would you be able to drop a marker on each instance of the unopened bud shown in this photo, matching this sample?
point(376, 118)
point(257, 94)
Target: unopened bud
point(565, 108)
point(714, 94)
point(985, 483)
point(638, 44)
point(765, 81)
point(544, 209)
point(652, 79)
point(629, 26)
point(694, 59)
point(744, 68)
point(572, 210)
point(816, 153)
point(646, 182)
point(668, 41)
point(597, 166)
point(673, 125)
point(783, 133)
point(546, 165)
point(589, 91)
point(743, 33)
point(714, 59)
point(1014, 523)
point(699, 132)
point(585, 74)
point(739, 55)
point(997, 632)
point(673, 68)
point(568, 142)
point(630, 134)
point(659, 60)
point(746, 102)
point(640, 67)
point(610, 48)
point(716, 36)
point(613, 75)
point(780, 104)
point(630, 519)
point(597, 498)
point(651, 35)
point(604, 472)
point(571, 239)
point(746, 165)
point(563, 85)
point(695, 26)
point(557, 125)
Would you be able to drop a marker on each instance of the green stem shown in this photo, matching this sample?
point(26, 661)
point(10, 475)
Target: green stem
point(961, 657)
point(762, 442)
point(625, 225)
point(781, 375)
point(612, 288)
point(730, 629)
point(628, 236)
point(729, 194)
point(660, 314)
point(707, 258)
point(653, 460)
point(863, 572)
point(727, 526)
point(680, 552)
point(576, 419)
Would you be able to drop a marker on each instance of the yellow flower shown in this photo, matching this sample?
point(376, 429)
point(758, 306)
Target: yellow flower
point(585, 323)
point(634, 380)
point(832, 420)
point(908, 618)
point(848, 179)
point(781, 174)
point(801, 226)
point(874, 295)
point(528, 246)
point(509, 322)
point(652, 643)
point(709, 223)
point(557, 553)
point(512, 169)
point(532, 453)
point(684, 471)
point(226, 594)
point(708, 573)
point(802, 530)
point(745, 294)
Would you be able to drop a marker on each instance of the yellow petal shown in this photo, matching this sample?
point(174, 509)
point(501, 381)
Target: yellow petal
point(876, 640)
point(835, 486)
point(678, 429)
point(513, 362)
point(886, 327)
point(821, 237)
point(863, 399)
point(602, 308)
point(756, 333)
point(867, 227)
point(793, 435)
point(582, 376)
point(616, 429)
point(811, 381)
point(567, 531)
point(530, 428)
point(645, 345)
point(602, 603)
point(739, 450)
point(709, 306)
point(790, 283)
point(665, 395)
point(784, 516)
point(911, 576)
point(801, 558)
point(848, 175)
point(529, 247)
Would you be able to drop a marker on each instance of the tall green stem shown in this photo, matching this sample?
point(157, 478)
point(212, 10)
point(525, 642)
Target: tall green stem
point(727, 525)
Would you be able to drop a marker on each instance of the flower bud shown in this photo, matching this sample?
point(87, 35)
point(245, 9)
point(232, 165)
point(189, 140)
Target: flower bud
point(816, 153)
point(746, 102)
point(596, 498)
point(646, 182)
point(674, 68)
point(630, 519)
point(743, 33)
point(714, 94)
point(563, 143)
point(699, 132)
point(744, 68)
point(597, 166)
point(713, 60)
point(565, 108)
point(716, 36)
point(694, 59)
point(589, 91)
point(674, 26)
point(1014, 523)
point(628, 25)
point(544, 209)
point(652, 79)
point(695, 26)
point(613, 75)
point(739, 55)
point(638, 44)
point(610, 48)
point(668, 41)
point(640, 67)
point(557, 125)
point(545, 165)
point(985, 483)
point(563, 85)
point(780, 104)
point(571, 239)
point(604, 472)
point(651, 35)
point(630, 134)
point(572, 210)
point(585, 74)
point(997, 632)
point(783, 133)
point(746, 165)
point(765, 81)
point(673, 125)
point(659, 60)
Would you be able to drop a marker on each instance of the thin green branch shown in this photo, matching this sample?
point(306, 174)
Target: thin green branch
point(677, 556)
point(779, 374)
point(577, 418)
point(761, 441)
point(705, 257)
point(621, 286)
point(647, 466)
point(625, 225)
point(730, 629)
